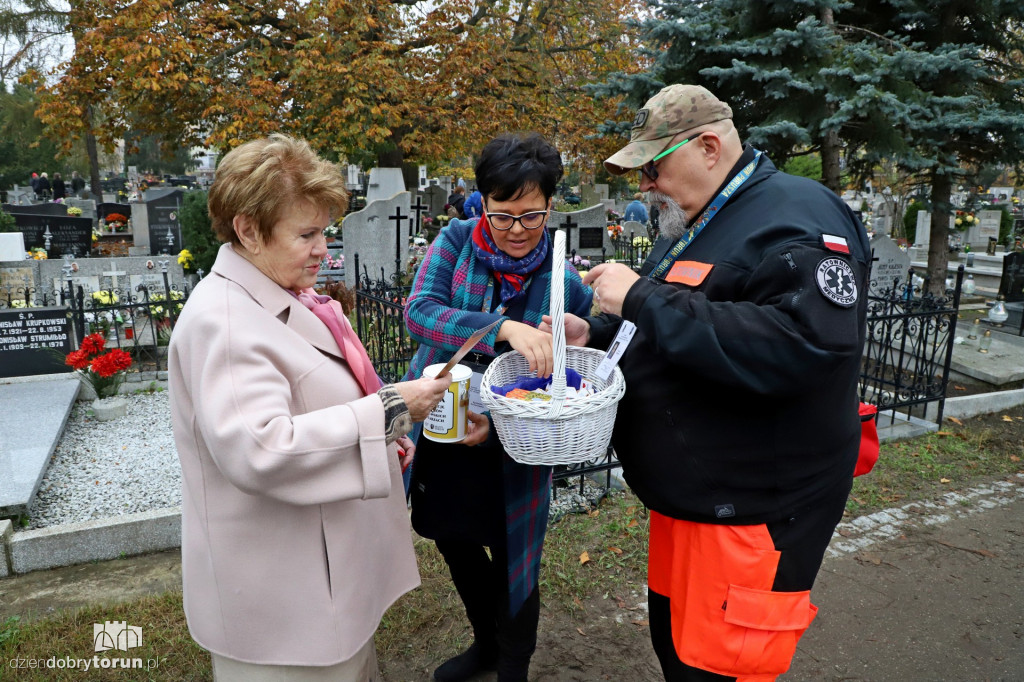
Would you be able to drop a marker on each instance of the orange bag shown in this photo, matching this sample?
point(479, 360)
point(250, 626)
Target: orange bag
point(868, 440)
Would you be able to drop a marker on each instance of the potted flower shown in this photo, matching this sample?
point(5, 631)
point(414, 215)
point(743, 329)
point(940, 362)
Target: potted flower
point(104, 372)
point(36, 253)
point(74, 211)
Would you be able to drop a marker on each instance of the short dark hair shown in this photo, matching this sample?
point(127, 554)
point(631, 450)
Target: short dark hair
point(512, 164)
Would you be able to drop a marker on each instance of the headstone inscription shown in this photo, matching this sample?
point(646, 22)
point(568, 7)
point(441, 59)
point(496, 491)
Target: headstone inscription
point(988, 226)
point(67, 234)
point(162, 216)
point(889, 266)
point(32, 341)
point(16, 281)
point(1012, 283)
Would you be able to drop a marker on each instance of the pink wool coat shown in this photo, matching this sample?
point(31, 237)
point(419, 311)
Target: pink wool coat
point(295, 534)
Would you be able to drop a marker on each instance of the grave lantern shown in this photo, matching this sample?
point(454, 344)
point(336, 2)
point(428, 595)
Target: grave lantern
point(986, 342)
point(997, 313)
point(975, 329)
point(969, 285)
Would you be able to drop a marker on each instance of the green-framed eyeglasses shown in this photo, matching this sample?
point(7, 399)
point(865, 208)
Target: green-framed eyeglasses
point(648, 168)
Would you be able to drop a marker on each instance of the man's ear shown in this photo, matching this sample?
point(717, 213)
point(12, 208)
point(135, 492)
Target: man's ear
point(248, 235)
point(711, 148)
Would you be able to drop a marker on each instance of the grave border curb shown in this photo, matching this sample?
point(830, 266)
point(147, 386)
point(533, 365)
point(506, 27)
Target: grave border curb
point(96, 540)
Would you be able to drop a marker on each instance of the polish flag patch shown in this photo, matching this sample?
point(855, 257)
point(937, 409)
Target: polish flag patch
point(835, 243)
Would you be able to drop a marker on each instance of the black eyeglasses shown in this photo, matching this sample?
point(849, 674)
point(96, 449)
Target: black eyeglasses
point(648, 168)
point(529, 221)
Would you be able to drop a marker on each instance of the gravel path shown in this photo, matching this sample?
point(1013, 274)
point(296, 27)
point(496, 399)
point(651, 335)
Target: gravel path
point(129, 465)
point(103, 469)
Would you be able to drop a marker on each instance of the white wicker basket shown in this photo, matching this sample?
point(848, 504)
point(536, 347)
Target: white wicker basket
point(556, 431)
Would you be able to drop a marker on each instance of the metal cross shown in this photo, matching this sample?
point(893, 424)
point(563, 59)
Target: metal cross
point(398, 218)
point(420, 209)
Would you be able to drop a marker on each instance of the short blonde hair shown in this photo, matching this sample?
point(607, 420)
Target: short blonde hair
point(258, 178)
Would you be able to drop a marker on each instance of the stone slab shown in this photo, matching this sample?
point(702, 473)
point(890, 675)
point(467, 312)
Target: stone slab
point(110, 538)
point(6, 530)
point(31, 423)
point(1003, 365)
point(967, 406)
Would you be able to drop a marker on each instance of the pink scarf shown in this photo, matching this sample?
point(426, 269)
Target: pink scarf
point(330, 313)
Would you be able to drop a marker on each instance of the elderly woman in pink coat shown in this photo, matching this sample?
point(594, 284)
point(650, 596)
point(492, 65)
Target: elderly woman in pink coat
point(295, 533)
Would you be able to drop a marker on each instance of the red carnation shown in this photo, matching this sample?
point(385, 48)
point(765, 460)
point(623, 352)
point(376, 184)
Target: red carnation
point(78, 359)
point(93, 343)
point(120, 359)
point(104, 366)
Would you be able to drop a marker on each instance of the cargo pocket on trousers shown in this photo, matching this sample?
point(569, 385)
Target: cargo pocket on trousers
point(762, 629)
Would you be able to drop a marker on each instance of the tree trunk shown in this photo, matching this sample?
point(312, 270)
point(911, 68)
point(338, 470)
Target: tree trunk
point(830, 175)
point(938, 245)
point(94, 158)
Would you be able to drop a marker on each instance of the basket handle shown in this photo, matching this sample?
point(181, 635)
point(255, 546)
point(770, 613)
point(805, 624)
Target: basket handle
point(557, 312)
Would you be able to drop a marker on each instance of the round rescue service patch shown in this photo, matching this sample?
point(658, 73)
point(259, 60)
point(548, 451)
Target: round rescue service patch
point(836, 282)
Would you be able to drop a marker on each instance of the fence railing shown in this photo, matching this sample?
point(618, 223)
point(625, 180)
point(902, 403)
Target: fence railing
point(909, 347)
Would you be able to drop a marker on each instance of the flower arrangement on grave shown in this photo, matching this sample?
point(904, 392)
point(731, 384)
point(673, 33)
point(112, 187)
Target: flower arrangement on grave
point(615, 230)
point(103, 371)
point(332, 231)
point(641, 242)
point(186, 260)
point(159, 312)
point(100, 322)
point(74, 211)
point(331, 263)
point(104, 298)
point(964, 220)
point(442, 220)
point(117, 222)
point(36, 253)
point(95, 237)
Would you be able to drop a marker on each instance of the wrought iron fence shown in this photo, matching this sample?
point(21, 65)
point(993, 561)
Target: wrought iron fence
point(138, 320)
point(380, 323)
point(909, 346)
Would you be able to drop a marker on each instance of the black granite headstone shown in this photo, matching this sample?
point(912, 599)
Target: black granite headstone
point(34, 341)
point(106, 208)
point(591, 237)
point(68, 234)
point(1012, 284)
point(163, 216)
point(49, 209)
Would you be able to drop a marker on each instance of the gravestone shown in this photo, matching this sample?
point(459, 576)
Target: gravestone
point(20, 196)
point(106, 208)
point(372, 235)
point(922, 236)
point(890, 263)
point(587, 233)
point(88, 207)
point(384, 184)
point(48, 209)
point(436, 197)
point(986, 227)
point(1012, 283)
point(30, 339)
point(589, 195)
point(16, 277)
point(123, 274)
point(68, 234)
point(154, 218)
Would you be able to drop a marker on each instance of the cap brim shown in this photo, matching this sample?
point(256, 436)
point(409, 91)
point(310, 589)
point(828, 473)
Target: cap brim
point(635, 154)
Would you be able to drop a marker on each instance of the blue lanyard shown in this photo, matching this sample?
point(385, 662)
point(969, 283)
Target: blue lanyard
point(710, 212)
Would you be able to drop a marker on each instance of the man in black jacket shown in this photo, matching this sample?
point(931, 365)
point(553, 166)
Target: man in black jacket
point(739, 427)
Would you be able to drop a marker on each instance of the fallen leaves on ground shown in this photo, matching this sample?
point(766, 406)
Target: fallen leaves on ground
point(584, 558)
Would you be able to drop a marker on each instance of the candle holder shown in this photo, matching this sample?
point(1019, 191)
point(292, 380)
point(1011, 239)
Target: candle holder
point(975, 329)
point(969, 285)
point(997, 313)
point(986, 342)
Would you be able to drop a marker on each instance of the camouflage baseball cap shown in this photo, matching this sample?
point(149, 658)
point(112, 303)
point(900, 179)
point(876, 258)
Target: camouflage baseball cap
point(676, 109)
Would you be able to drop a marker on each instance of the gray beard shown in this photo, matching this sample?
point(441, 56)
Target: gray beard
point(672, 219)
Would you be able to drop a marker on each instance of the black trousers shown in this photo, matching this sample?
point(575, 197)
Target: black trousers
point(801, 541)
point(482, 583)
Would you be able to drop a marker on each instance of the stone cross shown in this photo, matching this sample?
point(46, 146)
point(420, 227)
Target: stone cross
point(398, 217)
point(113, 274)
point(420, 208)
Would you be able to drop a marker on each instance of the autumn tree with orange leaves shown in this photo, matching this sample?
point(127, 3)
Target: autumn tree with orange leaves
point(396, 80)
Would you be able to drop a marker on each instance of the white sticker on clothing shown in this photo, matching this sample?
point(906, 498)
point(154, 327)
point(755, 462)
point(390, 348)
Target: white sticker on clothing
point(626, 331)
point(476, 403)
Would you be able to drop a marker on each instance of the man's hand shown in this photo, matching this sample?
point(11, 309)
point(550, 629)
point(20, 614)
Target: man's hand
point(577, 330)
point(611, 282)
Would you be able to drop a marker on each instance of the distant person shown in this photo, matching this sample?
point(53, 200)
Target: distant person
point(636, 210)
point(43, 188)
point(34, 184)
point(740, 427)
point(474, 206)
point(59, 190)
point(456, 201)
point(77, 184)
point(294, 528)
